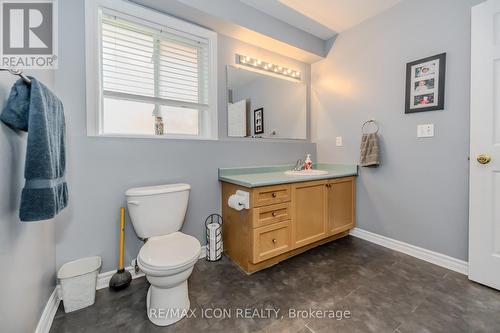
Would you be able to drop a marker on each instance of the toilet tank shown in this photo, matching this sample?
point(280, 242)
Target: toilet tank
point(157, 210)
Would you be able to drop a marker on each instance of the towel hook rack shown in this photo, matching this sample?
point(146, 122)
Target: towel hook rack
point(370, 121)
point(17, 72)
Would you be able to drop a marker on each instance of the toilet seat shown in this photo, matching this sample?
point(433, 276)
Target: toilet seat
point(171, 252)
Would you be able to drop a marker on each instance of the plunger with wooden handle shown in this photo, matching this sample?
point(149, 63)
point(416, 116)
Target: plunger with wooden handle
point(121, 279)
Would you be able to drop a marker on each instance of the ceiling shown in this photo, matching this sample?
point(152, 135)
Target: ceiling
point(322, 18)
point(291, 16)
point(304, 30)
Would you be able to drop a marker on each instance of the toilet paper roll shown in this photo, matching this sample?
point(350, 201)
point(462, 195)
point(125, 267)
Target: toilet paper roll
point(214, 241)
point(235, 202)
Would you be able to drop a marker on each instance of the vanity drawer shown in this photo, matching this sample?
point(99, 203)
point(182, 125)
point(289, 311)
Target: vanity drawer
point(271, 240)
point(269, 195)
point(266, 215)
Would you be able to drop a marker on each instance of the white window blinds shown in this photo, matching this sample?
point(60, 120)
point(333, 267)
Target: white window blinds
point(158, 65)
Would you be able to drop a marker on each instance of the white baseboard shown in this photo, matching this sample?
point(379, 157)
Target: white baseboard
point(436, 258)
point(103, 278)
point(49, 312)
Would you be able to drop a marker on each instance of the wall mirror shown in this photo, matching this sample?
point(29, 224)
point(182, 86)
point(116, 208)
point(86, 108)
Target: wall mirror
point(264, 106)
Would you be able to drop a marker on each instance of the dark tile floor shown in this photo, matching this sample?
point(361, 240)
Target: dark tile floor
point(382, 290)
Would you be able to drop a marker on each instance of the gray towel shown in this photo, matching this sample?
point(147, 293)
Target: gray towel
point(36, 110)
point(369, 150)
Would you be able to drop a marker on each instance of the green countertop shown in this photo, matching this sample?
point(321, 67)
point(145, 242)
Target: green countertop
point(274, 175)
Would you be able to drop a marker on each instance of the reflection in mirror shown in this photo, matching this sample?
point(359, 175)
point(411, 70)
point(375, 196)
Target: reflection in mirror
point(260, 105)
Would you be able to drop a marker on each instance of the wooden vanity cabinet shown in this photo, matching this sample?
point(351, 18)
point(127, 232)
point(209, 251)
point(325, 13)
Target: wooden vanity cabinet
point(285, 220)
point(309, 212)
point(341, 204)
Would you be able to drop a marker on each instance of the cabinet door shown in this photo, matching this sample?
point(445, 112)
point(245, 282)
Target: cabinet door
point(341, 205)
point(270, 241)
point(309, 212)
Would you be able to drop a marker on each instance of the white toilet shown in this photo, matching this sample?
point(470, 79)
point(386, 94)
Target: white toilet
point(168, 256)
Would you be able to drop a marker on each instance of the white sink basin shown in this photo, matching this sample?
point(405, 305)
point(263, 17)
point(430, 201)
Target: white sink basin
point(306, 173)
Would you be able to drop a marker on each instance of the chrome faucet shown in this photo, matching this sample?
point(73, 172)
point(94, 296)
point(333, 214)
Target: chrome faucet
point(298, 166)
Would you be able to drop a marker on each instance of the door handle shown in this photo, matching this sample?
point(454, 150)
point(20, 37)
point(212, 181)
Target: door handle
point(483, 158)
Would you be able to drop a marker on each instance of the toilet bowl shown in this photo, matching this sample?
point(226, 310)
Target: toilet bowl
point(168, 256)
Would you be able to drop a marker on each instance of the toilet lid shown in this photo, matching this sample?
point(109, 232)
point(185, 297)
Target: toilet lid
point(169, 251)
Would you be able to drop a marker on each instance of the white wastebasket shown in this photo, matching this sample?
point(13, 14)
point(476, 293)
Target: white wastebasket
point(78, 280)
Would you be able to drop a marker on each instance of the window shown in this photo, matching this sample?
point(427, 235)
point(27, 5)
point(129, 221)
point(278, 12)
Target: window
point(156, 74)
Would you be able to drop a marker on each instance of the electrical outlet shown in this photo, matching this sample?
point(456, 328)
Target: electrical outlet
point(338, 141)
point(425, 131)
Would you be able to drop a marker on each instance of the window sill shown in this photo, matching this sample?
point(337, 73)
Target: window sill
point(198, 138)
point(156, 137)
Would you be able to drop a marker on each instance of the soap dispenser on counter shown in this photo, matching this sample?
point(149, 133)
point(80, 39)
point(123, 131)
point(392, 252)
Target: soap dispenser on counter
point(308, 162)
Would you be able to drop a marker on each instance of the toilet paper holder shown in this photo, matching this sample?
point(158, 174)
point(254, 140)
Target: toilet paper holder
point(243, 199)
point(213, 226)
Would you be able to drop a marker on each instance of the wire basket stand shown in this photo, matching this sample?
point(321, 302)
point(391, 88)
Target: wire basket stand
point(213, 225)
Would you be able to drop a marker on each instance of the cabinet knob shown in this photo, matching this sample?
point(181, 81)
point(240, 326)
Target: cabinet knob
point(274, 240)
point(273, 214)
point(274, 195)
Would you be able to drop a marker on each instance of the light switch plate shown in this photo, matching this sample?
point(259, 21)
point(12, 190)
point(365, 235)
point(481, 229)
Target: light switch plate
point(425, 131)
point(338, 141)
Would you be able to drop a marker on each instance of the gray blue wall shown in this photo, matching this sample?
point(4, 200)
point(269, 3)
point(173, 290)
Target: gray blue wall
point(27, 250)
point(101, 169)
point(419, 194)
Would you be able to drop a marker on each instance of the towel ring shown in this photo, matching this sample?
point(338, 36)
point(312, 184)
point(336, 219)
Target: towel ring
point(371, 121)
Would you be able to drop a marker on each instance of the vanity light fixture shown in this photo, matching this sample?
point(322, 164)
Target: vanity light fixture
point(267, 66)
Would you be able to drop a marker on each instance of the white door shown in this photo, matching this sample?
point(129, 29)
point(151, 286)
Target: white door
point(484, 219)
point(237, 119)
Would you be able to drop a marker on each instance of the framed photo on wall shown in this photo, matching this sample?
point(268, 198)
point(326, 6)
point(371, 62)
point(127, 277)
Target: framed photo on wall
point(258, 121)
point(425, 84)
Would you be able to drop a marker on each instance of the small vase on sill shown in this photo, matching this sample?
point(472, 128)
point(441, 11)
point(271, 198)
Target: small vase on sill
point(159, 127)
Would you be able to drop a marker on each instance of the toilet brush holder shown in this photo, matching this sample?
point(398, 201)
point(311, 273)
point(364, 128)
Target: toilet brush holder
point(213, 225)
